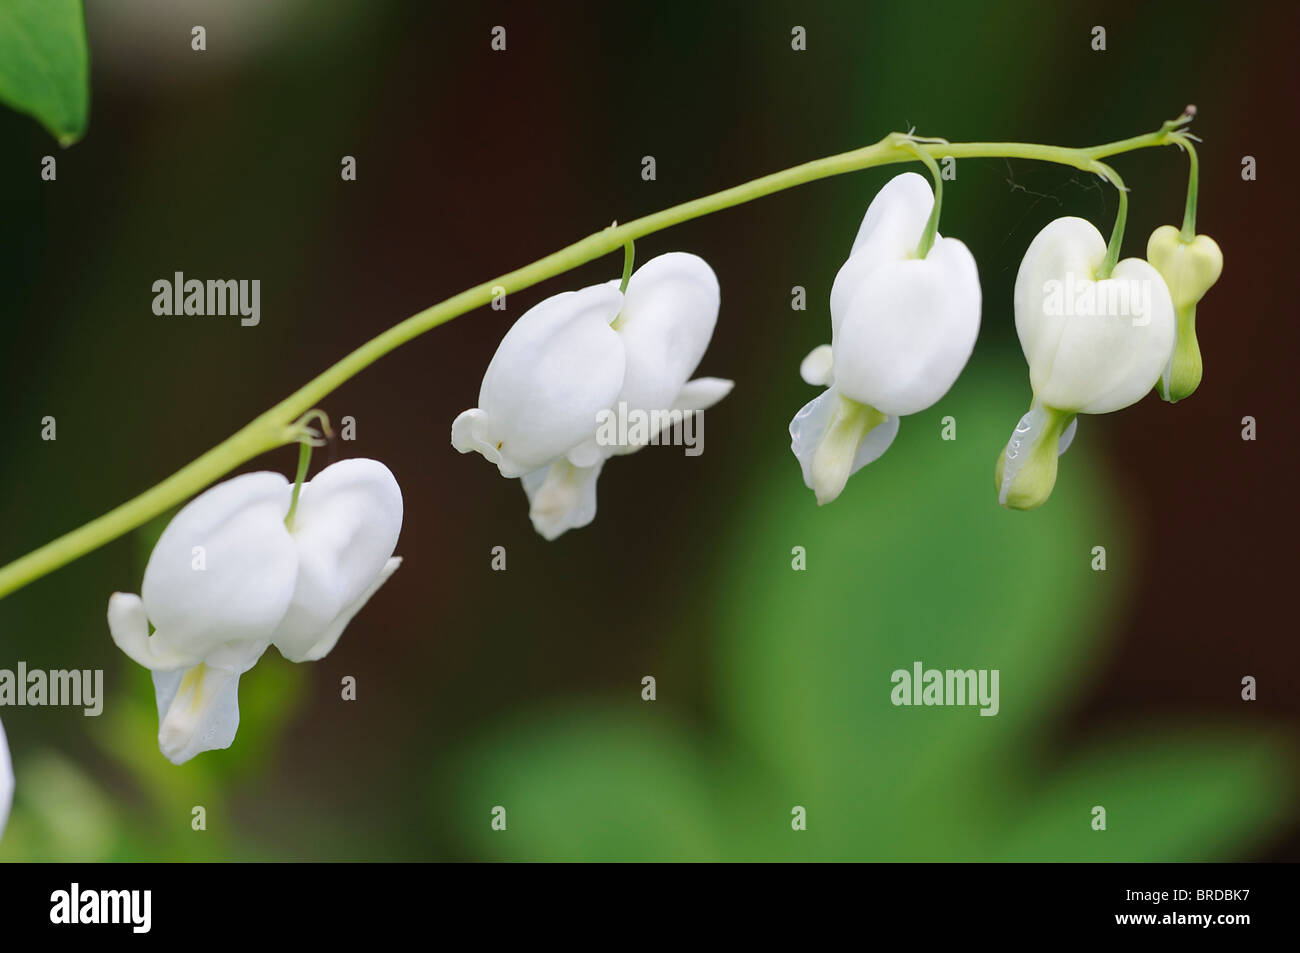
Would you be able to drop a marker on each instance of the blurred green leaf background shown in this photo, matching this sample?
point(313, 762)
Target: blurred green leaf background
point(911, 564)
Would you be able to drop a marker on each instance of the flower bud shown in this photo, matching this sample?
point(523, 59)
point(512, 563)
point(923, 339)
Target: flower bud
point(1189, 268)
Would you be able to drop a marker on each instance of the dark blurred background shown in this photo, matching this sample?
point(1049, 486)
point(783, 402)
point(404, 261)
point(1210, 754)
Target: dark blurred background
point(522, 688)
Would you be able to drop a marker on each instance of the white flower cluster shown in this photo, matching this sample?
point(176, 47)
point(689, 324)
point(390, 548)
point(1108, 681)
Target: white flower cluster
point(242, 567)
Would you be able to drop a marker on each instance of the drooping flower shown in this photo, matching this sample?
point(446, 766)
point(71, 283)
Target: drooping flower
point(581, 360)
point(1093, 347)
point(6, 780)
point(1189, 268)
point(902, 328)
point(228, 578)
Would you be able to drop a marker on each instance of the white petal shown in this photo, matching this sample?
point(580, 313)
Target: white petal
point(1090, 361)
point(909, 330)
point(1105, 363)
point(129, 625)
point(561, 497)
point(6, 780)
point(328, 640)
point(702, 393)
point(639, 429)
point(1068, 246)
point(819, 366)
point(696, 395)
point(1067, 438)
point(898, 212)
point(198, 708)
point(809, 426)
point(471, 431)
point(668, 317)
point(890, 233)
point(223, 571)
point(555, 369)
point(345, 529)
point(586, 454)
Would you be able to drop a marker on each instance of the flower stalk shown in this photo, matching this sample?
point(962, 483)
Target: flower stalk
point(274, 428)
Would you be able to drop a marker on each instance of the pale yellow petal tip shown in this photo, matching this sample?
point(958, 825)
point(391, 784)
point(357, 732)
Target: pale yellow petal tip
point(817, 367)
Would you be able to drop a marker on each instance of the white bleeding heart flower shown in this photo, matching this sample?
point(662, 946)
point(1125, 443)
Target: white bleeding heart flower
point(1093, 347)
point(587, 375)
point(6, 781)
point(228, 578)
point(902, 328)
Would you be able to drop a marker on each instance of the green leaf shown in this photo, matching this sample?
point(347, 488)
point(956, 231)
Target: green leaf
point(43, 64)
point(1193, 796)
point(914, 562)
point(595, 784)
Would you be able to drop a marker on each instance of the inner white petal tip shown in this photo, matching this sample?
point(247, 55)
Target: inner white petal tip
point(826, 472)
point(586, 454)
point(1067, 438)
point(198, 710)
point(561, 497)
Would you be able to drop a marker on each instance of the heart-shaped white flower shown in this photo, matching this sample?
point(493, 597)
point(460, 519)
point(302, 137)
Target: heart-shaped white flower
point(580, 361)
point(902, 329)
point(228, 578)
point(1093, 346)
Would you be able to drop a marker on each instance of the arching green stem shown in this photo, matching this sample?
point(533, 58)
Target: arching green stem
point(274, 428)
